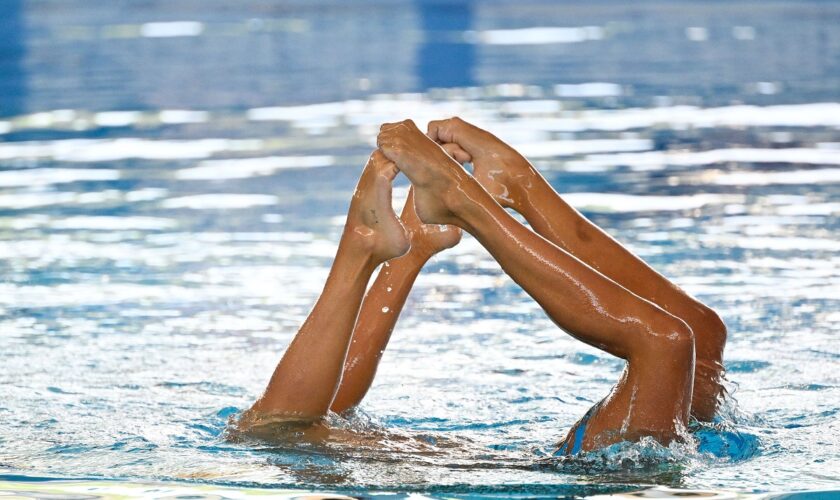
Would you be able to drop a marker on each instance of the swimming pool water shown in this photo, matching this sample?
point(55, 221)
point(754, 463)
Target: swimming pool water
point(164, 231)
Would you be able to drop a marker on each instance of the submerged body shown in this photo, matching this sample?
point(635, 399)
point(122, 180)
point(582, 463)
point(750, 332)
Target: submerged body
point(586, 282)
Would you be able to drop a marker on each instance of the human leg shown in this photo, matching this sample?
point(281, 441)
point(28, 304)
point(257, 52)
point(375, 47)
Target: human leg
point(306, 378)
point(653, 396)
point(515, 183)
point(384, 302)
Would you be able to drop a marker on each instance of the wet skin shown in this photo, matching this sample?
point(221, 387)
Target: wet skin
point(306, 379)
point(655, 343)
point(653, 395)
point(514, 183)
point(384, 301)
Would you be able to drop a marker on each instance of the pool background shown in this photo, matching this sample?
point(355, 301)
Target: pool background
point(174, 178)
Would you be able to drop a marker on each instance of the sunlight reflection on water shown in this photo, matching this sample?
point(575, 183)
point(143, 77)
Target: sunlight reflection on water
point(157, 258)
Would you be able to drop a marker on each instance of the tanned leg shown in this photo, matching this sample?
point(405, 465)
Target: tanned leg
point(516, 184)
point(306, 379)
point(383, 303)
point(653, 396)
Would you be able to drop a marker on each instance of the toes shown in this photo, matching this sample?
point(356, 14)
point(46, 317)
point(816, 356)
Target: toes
point(402, 141)
point(436, 131)
point(387, 140)
point(444, 130)
point(386, 146)
point(383, 165)
point(456, 130)
point(390, 171)
point(387, 126)
point(378, 157)
point(405, 123)
point(456, 152)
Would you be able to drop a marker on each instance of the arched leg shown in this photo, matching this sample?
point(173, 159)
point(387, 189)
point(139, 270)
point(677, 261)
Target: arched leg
point(654, 396)
point(515, 183)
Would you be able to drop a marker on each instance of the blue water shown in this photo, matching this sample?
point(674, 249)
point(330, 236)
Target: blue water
point(173, 181)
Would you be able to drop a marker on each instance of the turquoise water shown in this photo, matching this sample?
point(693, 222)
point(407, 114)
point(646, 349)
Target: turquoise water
point(173, 184)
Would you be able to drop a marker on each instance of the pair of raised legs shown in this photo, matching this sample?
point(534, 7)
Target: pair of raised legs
point(589, 285)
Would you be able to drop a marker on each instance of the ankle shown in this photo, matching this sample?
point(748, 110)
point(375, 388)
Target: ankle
point(468, 202)
point(528, 190)
point(416, 257)
point(358, 245)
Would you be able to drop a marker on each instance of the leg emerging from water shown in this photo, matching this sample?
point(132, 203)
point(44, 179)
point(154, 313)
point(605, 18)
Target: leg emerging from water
point(653, 396)
point(384, 302)
point(514, 183)
point(306, 379)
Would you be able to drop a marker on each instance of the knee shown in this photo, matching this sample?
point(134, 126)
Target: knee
point(716, 327)
point(671, 338)
point(712, 332)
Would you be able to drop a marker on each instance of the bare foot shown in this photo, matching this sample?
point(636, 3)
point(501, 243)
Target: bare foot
point(511, 180)
point(371, 221)
point(438, 180)
point(499, 168)
point(427, 239)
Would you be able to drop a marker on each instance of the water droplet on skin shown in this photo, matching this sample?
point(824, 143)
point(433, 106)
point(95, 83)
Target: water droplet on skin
point(385, 309)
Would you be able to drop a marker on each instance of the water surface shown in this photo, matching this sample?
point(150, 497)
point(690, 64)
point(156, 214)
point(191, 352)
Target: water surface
point(173, 184)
